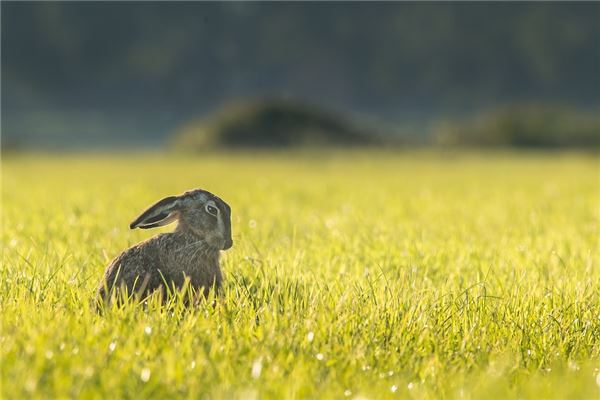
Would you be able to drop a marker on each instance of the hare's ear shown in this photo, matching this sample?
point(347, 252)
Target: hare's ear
point(162, 213)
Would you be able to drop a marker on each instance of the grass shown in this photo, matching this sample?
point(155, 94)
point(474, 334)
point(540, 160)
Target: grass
point(353, 275)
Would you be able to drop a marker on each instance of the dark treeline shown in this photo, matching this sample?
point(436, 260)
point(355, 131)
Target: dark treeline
point(142, 69)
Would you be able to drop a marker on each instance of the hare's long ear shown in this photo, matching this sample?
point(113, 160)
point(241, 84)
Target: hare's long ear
point(162, 213)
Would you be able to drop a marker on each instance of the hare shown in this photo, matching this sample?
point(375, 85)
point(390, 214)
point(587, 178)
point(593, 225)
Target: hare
point(191, 252)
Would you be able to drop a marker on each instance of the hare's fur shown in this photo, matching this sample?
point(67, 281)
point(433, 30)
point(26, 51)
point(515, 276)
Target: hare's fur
point(172, 259)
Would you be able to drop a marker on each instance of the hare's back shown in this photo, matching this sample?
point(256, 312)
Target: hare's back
point(137, 268)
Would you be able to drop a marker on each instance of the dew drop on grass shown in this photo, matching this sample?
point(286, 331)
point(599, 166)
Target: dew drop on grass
point(394, 388)
point(573, 366)
point(348, 392)
point(256, 368)
point(30, 385)
point(320, 356)
point(598, 379)
point(310, 337)
point(145, 375)
point(193, 365)
point(410, 386)
point(148, 330)
point(112, 346)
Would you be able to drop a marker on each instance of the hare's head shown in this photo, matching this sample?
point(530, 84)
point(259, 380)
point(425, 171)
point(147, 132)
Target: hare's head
point(199, 212)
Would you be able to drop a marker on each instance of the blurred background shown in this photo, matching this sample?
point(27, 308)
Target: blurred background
point(195, 76)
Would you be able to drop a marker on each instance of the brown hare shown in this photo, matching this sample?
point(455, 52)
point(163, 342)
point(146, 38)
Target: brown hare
point(189, 253)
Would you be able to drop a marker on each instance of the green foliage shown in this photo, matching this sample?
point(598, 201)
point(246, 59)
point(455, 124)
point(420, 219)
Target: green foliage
point(270, 123)
point(525, 125)
point(356, 274)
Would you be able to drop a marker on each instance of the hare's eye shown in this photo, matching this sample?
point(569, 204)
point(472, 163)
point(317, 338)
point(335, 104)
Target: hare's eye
point(211, 210)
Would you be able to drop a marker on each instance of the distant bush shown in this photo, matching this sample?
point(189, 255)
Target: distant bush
point(531, 125)
point(271, 124)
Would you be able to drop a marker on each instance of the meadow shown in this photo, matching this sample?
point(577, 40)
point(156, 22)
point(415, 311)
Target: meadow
point(360, 275)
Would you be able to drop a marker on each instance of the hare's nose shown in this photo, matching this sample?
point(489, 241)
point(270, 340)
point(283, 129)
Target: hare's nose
point(228, 244)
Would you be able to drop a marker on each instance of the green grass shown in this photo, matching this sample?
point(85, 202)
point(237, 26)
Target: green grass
point(353, 275)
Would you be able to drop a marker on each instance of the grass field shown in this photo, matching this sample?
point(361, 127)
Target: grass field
point(353, 275)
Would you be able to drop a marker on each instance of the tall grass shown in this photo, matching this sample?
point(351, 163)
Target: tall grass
point(358, 275)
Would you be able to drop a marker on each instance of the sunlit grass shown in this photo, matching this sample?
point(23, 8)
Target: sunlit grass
point(374, 275)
